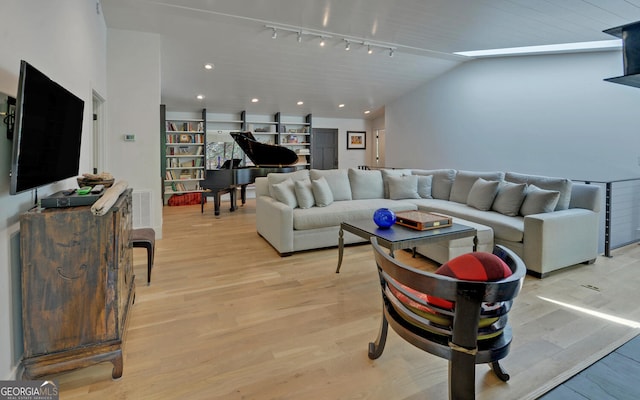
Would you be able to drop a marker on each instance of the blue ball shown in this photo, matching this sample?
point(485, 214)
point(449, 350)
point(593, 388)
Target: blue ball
point(384, 218)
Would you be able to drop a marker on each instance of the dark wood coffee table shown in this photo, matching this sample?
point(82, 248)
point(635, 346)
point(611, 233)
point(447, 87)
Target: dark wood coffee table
point(399, 237)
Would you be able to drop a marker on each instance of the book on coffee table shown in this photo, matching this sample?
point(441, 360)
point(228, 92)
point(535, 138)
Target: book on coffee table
point(422, 220)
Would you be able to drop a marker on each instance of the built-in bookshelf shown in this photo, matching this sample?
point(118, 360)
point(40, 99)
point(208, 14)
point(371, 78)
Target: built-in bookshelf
point(295, 133)
point(183, 151)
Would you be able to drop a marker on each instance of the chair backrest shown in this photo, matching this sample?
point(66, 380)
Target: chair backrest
point(477, 318)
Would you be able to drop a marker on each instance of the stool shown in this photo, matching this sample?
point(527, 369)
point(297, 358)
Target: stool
point(145, 237)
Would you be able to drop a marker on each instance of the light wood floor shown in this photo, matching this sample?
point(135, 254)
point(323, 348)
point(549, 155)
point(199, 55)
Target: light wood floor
point(226, 318)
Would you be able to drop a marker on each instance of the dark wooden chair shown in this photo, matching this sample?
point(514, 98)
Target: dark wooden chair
point(474, 332)
point(146, 238)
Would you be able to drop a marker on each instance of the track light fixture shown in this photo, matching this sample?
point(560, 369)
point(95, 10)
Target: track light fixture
point(324, 36)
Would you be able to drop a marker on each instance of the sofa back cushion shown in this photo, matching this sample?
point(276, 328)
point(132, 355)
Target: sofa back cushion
point(365, 184)
point(441, 182)
point(561, 185)
point(338, 181)
point(464, 181)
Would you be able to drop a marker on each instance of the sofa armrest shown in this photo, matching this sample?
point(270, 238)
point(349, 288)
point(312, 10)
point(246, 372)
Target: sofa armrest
point(274, 222)
point(559, 239)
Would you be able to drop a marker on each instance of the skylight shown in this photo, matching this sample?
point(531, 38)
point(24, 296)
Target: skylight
point(600, 45)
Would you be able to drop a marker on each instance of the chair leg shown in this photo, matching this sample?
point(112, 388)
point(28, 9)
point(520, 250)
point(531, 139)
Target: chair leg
point(499, 371)
point(150, 256)
point(376, 348)
point(462, 376)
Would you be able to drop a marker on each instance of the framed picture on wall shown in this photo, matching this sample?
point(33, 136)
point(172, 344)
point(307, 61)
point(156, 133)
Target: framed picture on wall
point(356, 140)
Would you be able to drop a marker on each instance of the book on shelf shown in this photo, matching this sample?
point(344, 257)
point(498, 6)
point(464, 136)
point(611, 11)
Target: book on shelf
point(185, 126)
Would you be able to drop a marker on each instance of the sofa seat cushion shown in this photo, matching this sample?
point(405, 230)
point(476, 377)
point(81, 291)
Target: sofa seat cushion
point(504, 227)
point(341, 211)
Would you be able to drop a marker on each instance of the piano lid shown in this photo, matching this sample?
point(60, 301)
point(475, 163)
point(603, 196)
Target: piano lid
point(264, 154)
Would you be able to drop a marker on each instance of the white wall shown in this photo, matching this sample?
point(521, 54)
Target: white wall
point(66, 40)
point(551, 115)
point(347, 158)
point(133, 71)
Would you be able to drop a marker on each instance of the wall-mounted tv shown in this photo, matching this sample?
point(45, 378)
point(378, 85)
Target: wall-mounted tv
point(47, 132)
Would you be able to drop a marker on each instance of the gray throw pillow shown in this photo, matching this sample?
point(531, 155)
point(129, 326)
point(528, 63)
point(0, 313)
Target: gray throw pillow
point(539, 201)
point(424, 186)
point(482, 194)
point(277, 177)
point(509, 198)
point(304, 193)
point(321, 192)
point(403, 187)
point(284, 192)
point(386, 173)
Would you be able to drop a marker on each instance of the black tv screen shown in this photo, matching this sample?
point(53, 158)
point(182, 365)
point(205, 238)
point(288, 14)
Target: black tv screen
point(48, 132)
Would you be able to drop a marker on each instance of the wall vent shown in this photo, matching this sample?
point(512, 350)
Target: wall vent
point(141, 209)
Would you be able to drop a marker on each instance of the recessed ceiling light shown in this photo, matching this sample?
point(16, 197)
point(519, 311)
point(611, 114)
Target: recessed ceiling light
point(300, 103)
point(208, 66)
point(341, 105)
point(254, 100)
point(200, 97)
point(367, 112)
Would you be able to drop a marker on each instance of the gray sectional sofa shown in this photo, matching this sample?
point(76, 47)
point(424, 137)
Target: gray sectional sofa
point(551, 223)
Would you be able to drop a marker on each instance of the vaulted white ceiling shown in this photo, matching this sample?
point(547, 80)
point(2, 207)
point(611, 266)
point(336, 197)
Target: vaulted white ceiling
point(249, 63)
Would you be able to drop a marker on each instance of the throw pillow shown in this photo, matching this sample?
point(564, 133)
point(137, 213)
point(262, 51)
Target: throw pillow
point(539, 201)
point(321, 192)
point(386, 173)
point(424, 186)
point(304, 193)
point(277, 177)
point(403, 187)
point(509, 198)
point(365, 184)
point(476, 266)
point(338, 181)
point(482, 194)
point(284, 192)
point(465, 180)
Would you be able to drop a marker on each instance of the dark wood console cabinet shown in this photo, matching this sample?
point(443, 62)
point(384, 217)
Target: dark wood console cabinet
point(77, 287)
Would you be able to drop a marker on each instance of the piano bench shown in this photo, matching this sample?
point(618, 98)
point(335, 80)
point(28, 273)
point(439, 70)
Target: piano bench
point(145, 237)
point(216, 199)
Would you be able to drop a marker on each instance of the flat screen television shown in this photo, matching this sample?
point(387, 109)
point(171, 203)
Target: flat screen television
point(47, 132)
